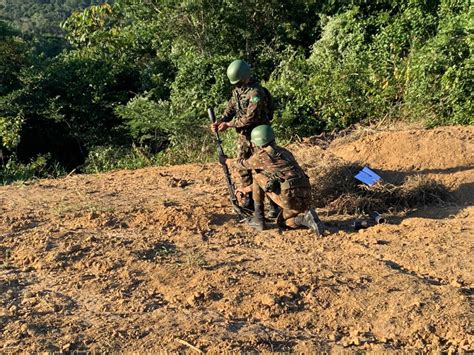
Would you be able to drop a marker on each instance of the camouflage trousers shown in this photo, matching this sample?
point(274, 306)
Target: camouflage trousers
point(244, 151)
point(293, 201)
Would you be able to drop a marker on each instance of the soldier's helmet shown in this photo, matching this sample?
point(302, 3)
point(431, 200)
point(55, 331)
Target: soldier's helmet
point(262, 135)
point(238, 70)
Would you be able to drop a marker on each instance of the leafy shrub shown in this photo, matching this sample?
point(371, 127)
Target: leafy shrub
point(441, 84)
point(107, 158)
point(182, 120)
point(327, 90)
point(14, 170)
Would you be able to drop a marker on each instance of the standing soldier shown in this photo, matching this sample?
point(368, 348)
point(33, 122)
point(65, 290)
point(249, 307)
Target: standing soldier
point(279, 176)
point(249, 107)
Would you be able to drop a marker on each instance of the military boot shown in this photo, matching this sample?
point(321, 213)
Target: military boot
point(311, 220)
point(273, 210)
point(257, 221)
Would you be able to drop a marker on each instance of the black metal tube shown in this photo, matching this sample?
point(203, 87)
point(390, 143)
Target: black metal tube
point(230, 185)
point(377, 217)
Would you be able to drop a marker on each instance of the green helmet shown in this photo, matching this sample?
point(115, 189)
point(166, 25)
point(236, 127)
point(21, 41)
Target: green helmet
point(238, 70)
point(262, 135)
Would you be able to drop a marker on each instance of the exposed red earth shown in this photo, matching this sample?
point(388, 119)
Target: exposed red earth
point(153, 259)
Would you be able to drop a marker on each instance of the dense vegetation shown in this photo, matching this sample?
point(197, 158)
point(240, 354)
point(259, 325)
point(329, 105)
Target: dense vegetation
point(130, 84)
point(41, 16)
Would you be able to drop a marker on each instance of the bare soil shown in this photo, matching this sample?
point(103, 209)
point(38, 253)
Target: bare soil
point(153, 260)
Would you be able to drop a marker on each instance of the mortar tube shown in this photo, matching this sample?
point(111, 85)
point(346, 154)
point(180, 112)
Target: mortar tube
point(377, 217)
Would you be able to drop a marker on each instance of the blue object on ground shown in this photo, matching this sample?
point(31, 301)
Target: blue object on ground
point(367, 176)
point(371, 173)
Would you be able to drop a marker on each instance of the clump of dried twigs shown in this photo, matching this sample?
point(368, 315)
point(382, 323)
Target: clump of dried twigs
point(334, 187)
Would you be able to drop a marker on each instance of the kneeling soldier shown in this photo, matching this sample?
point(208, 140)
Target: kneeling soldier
point(279, 176)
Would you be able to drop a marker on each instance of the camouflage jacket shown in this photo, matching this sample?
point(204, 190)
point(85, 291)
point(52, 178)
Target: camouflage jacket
point(276, 163)
point(249, 106)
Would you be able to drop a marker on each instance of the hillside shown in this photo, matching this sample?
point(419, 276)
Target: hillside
point(153, 259)
point(41, 16)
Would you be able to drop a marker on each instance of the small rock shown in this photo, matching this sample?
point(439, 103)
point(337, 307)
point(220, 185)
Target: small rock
point(353, 333)
point(430, 328)
point(346, 342)
point(456, 283)
point(24, 328)
point(195, 299)
point(29, 294)
point(183, 183)
point(434, 339)
point(32, 331)
point(25, 302)
point(268, 300)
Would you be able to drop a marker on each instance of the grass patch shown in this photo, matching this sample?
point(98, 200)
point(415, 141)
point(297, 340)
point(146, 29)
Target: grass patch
point(335, 188)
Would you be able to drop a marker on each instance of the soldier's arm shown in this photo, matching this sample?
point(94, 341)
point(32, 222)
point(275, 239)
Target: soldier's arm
point(252, 163)
point(256, 101)
point(229, 112)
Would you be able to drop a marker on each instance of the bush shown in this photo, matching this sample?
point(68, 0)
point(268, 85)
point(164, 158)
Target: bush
point(107, 158)
point(412, 62)
point(329, 89)
point(182, 120)
point(441, 83)
point(13, 170)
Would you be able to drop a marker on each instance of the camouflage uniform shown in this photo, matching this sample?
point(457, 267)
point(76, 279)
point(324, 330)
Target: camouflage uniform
point(250, 106)
point(279, 176)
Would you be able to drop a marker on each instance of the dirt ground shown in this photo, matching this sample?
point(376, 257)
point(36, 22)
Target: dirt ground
point(153, 260)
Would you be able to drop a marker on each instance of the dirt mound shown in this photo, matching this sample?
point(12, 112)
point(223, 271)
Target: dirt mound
point(444, 154)
point(412, 150)
point(417, 167)
point(153, 260)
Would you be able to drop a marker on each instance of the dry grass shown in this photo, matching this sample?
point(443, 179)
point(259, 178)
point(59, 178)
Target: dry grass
point(335, 188)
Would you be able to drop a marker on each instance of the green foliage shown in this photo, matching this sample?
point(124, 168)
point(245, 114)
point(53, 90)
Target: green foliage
point(14, 55)
point(444, 68)
point(38, 167)
point(10, 130)
point(132, 85)
point(40, 16)
point(141, 116)
point(413, 62)
point(182, 119)
point(86, 28)
point(106, 158)
point(329, 89)
point(339, 58)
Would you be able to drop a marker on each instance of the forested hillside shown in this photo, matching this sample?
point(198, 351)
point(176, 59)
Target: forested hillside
point(131, 86)
point(41, 16)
